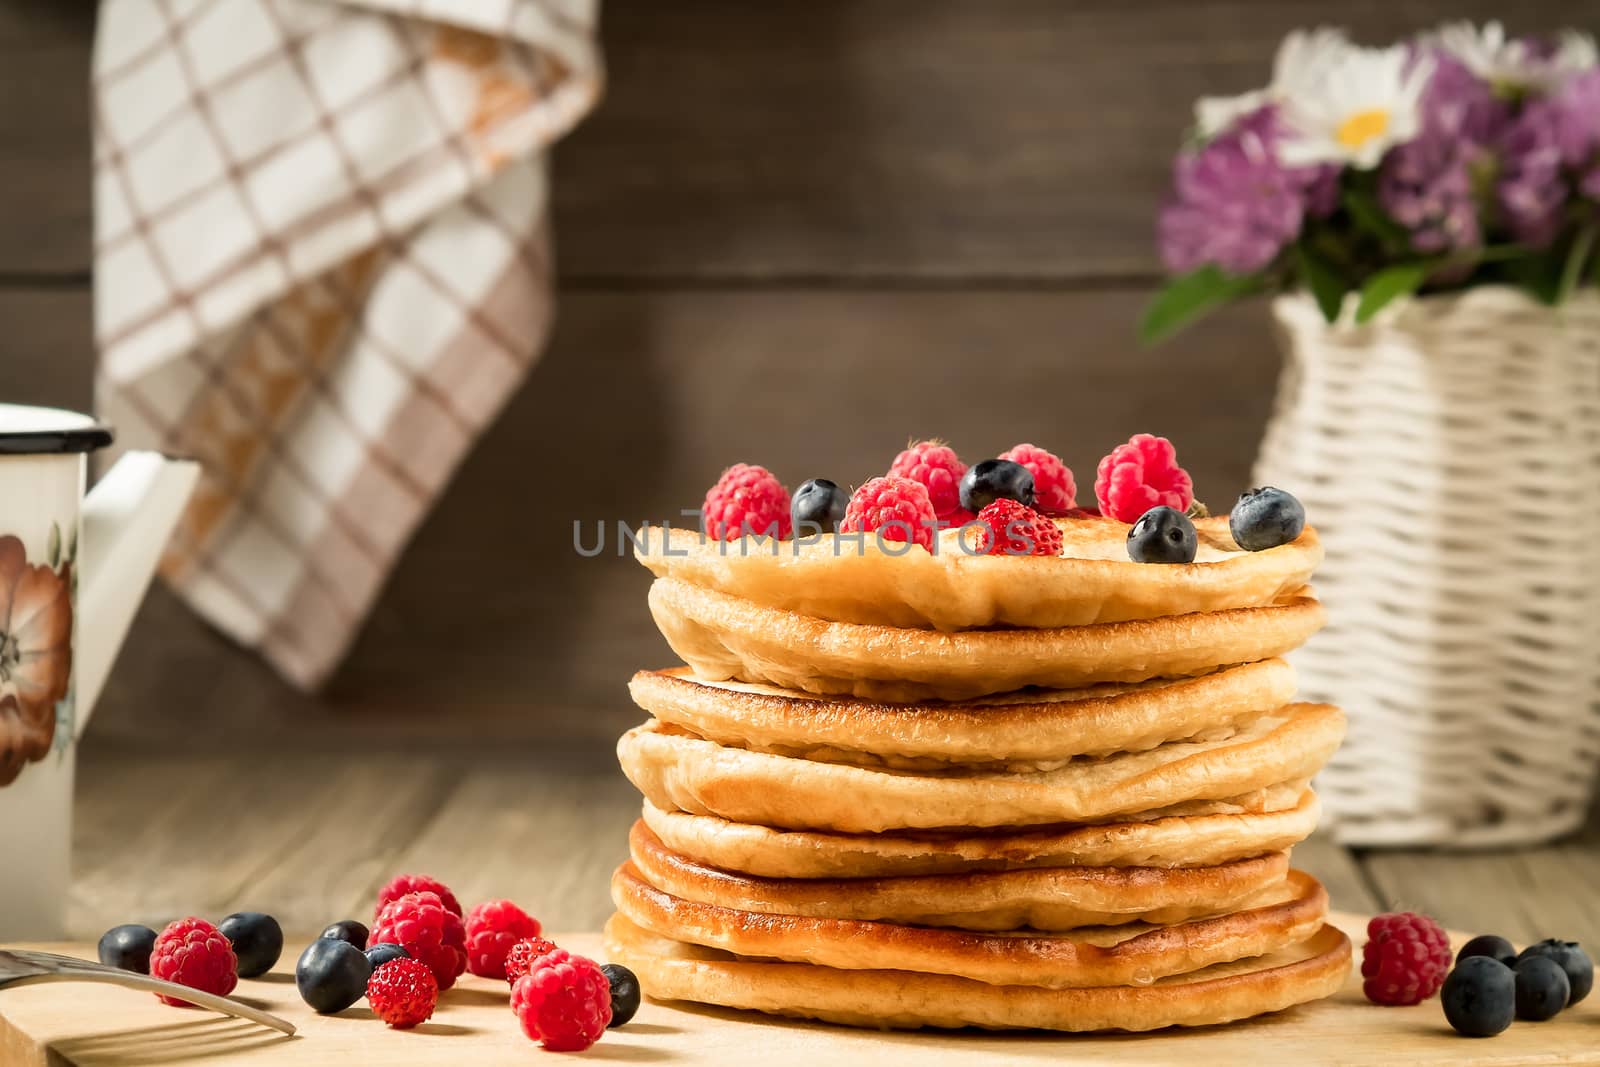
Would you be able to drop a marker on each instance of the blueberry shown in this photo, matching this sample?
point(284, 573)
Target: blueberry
point(1542, 988)
point(347, 930)
point(817, 506)
point(996, 479)
point(1479, 997)
point(1491, 945)
point(1573, 960)
point(624, 993)
point(331, 975)
point(1162, 535)
point(128, 947)
point(1266, 518)
point(257, 940)
point(383, 952)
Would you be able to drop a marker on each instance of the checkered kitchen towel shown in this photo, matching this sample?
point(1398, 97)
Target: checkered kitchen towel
point(322, 264)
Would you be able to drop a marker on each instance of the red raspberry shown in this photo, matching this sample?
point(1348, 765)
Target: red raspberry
point(194, 953)
point(746, 500)
point(493, 927)
point(422, 925)
point(1013, 529)
point(898, 508)
point(522, 955)
point(938, 468)
point(1405, 959)
point(1140, 475)
point(403, 993)
point(414, 883)
point(563, 1002)
point(1054, 490)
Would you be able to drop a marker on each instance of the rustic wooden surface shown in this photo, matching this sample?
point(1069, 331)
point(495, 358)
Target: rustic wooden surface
point(96, 1026)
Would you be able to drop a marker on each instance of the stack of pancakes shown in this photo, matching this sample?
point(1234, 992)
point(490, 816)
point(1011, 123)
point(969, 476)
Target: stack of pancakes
point(902, 788)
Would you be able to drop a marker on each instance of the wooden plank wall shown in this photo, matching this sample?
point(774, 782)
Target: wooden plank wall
point(794, 234)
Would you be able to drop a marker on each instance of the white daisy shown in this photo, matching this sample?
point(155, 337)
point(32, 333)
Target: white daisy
point(1353, 107)
point(1299, 56)
point(1515, 64)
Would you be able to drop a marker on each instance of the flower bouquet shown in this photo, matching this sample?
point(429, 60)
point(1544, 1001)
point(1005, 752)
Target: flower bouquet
point(1460, 158)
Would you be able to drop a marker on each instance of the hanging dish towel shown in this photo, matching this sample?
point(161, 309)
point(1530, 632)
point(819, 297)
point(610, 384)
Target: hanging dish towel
point(322, 264)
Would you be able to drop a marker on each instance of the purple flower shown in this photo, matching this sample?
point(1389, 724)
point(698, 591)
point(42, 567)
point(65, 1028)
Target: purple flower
point(1426, 186)
point(1458, 103)
point(1234, 205)
point(1577, 121)
point(1532, 190)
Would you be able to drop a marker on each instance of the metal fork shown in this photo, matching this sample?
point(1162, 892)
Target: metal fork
point(19, 967)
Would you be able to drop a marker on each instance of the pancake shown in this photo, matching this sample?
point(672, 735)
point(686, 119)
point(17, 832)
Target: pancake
point(849, 579)
point(1178, 841)
point(723, 636)
point(1056, 898)
point(1032, 730)
point(1091, 956)
point(1314, 968)
point(678, 770)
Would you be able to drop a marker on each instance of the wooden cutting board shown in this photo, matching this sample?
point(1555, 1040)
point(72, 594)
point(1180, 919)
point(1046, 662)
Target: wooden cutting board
point(102, 1026)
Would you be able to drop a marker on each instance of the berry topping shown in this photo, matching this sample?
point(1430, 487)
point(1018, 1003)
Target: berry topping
point(378, 955)
point(624, 994)
point(402, 993)
point(194, 953)
point(746, 500)
point(428, 931)
point(1140, 475)
point(1541, 988)
point(492, 928)
point(347, 930)
point(817, 507)
point(1266, 518)
point(938, 468)
point(1573, 960)
point(1054, 490)
point(416, 883)
point(1405, 958)
point(257, 941)
point(1010, 529)
point(127, 947)
point(996, 479)
point(331, 975)
point(563, 1002)
point(1162, 535)
point(522, 955)
point(1492, 945)
point(1479, 997)
point(897, 509)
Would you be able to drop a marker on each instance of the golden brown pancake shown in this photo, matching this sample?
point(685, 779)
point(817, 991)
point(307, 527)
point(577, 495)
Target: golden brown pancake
point(1030, 730)
point(1313, 968)
point(1126, 954)
point(1054, 898)
point(722, 636)
point(678, 770)
point(841, 579)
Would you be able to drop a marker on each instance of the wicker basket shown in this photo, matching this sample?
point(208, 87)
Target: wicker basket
point(1449, 454)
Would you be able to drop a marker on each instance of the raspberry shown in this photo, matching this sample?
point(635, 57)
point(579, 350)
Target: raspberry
point(194, 953)
point(522, 955)
point(1141, 475)
point(403, 993)
point(492, 929)
point(1405, 959)
point(563, 1002)
point(1054, 490)
point(746, 500)
point(414, 883)
point(422, 925)
point(1013, 529)
point(898, 508)
point(939, 470)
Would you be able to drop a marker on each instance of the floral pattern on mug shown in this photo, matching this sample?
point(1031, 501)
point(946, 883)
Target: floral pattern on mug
point(35, 651)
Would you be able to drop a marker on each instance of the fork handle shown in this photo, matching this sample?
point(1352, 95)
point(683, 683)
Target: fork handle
point(130, 980)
